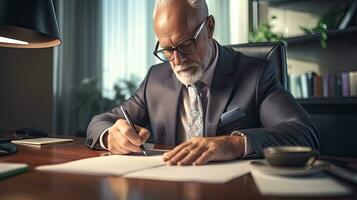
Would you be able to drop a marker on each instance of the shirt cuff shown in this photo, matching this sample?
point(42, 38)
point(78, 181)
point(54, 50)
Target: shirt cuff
point(101, 137)
point(248, 150)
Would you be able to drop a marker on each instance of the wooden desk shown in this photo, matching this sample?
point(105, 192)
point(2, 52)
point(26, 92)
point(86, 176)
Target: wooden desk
point(45, 185)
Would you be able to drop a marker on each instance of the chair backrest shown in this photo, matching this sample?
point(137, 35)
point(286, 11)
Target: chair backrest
point(273, 51)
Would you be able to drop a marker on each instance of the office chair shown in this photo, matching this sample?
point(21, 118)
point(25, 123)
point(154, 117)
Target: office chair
point(273, 51)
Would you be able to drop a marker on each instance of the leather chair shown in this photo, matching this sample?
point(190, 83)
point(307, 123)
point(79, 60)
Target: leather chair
point(273, 51)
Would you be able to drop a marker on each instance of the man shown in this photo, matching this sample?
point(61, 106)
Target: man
point(212, 102)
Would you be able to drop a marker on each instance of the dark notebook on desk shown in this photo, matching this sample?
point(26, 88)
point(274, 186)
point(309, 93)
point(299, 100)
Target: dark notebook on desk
point(346, 170)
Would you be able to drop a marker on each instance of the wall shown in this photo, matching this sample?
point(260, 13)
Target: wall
point(25, 88)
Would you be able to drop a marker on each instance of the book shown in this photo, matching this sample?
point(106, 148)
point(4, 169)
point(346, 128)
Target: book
point(298, 91)
point(310, 83)
point(353, 85)
point(345, 84)
point(294, 85)
point(10, 169)
point(325, 85)
point(338, 85)
point(317, 86)
point(42, 141)
point(304, 86)
point(331, 85)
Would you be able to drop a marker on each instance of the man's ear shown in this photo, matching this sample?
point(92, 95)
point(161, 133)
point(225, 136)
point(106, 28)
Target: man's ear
point(210, 26)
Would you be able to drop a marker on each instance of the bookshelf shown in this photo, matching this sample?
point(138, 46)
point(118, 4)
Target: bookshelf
point(334, 114)
point(309, 53)
point(349, 33)
point(331, 101)
point(330, 105)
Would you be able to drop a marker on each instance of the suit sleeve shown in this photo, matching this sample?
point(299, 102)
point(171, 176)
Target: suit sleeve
point(283, 120)
point(135, 105)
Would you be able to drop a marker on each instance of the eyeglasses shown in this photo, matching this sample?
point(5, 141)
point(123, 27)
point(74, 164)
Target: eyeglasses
point(185, 47)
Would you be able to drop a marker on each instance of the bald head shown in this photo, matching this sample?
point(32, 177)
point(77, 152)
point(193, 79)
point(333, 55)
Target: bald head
point(176, 14)
point(200, 5)
point(185, 22)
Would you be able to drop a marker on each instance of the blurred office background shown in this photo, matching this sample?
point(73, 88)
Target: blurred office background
point(107, 50)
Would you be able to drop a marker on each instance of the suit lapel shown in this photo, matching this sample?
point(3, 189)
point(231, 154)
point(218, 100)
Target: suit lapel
point(220, 92)
point(170, 107)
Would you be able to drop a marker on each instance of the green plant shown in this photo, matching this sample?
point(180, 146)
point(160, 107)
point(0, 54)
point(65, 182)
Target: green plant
point(90, 100)
point(328, 21)
point(264, 33)
point(125, 88)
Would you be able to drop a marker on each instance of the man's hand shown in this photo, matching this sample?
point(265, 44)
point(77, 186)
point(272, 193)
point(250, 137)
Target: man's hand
point(200, 150)
point(122, 139)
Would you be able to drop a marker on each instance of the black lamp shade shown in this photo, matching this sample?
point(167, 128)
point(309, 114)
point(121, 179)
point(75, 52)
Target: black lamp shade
point(28, 24)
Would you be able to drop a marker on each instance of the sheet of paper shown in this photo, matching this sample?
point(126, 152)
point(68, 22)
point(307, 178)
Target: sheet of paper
point(41, 141)
point(152, 167)
point(218, 172)
point(319, 184)
point(106, 165)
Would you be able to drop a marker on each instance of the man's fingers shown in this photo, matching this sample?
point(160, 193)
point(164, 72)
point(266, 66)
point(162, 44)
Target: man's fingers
point(120, 143)
point(128, 132)
point(179, 156)
point(192, 156)
point(170, 154)
point(204, 158)
point(144, 134)
point(120, 151)
point(114, 147)
point(182, 154)
point(127, 145)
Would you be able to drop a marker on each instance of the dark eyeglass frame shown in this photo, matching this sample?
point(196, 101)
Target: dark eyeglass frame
point(177, 47)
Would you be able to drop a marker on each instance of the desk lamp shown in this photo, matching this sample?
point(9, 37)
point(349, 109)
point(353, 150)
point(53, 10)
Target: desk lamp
point(26, 24)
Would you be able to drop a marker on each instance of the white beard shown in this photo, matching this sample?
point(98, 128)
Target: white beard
point(190, 77)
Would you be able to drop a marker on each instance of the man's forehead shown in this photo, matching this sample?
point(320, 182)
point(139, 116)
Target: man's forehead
point(175, 24)
point(172, 34)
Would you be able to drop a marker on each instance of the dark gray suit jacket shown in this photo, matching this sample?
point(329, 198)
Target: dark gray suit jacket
point(268, 115)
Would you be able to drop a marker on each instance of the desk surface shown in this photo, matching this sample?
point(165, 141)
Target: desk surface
point(45, 185)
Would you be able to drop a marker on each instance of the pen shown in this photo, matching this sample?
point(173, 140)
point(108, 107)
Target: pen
point(127, 117)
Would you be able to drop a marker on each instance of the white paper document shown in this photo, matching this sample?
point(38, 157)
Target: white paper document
point(319, 184)
point(218, 172)
point(41, 141)
point(152, 167)
point(106, 165)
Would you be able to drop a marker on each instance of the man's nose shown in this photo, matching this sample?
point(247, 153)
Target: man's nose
point(178, 58)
